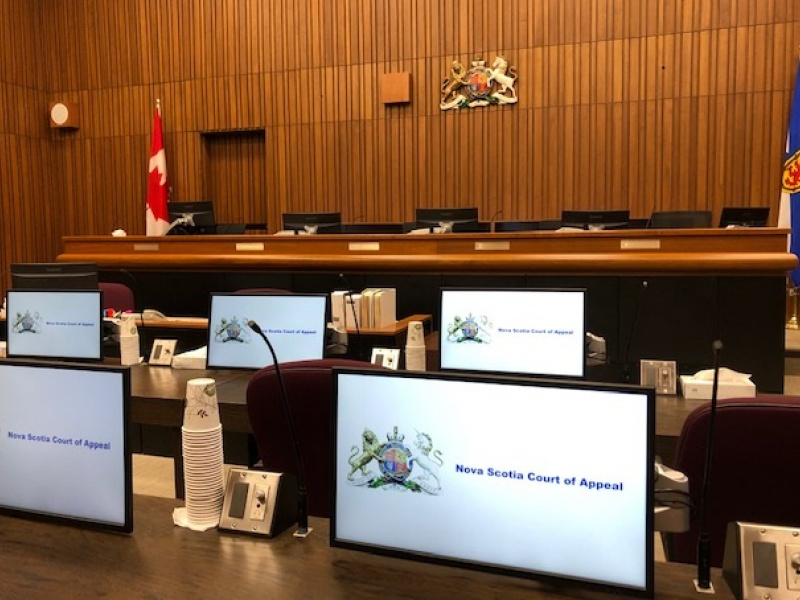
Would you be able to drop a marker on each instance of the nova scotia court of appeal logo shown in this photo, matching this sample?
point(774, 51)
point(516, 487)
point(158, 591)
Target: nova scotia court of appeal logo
point(398, 467)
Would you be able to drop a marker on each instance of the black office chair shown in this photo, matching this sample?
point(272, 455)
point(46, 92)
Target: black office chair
point(680, 219)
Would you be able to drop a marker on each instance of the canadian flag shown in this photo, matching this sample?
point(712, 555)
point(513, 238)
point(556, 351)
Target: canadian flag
point(157, 214)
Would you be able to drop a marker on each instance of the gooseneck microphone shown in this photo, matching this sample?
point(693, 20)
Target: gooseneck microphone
point(302, 490)
point(494, 219)
point(703, 581)
point(349, 302)
point(626, 375)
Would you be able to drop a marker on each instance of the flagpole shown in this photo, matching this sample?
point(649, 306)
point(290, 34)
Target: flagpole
point(792, 323)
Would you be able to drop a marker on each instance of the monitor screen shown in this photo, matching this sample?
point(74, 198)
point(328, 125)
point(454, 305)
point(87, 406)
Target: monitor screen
point(530, 331)
point(196, 217)
point(595, 219)
point(744, 217)
point(520, 476)
point(294, 324)
point(463, 219)
point(313, 222)
point(387, 228)
point(55, 324)
point(679, 219)
point(54, 276)
point(64, 451)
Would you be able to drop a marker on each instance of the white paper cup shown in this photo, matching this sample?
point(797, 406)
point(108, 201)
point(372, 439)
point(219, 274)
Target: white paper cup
point(416, 335)
point(201, 411)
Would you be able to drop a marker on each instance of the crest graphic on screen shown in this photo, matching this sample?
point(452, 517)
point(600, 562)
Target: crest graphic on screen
point(470, 329)
point(232, 330)
point(27, 322)
point(397, 467)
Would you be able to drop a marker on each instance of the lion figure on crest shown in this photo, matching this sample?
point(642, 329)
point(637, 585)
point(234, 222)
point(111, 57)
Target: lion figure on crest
point(370, 447)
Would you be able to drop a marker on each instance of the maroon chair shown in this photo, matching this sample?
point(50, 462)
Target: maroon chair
point(753, 470)
point(309, 387)
point(117, 296)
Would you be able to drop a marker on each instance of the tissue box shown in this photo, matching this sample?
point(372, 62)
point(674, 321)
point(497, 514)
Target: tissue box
point(193, 359)
point(700, 389)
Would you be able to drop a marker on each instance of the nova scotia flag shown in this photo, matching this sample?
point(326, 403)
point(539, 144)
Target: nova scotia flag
point(789, 213)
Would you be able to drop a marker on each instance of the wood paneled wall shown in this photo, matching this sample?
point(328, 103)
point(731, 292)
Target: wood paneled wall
point(639, 104)
point(25, 231)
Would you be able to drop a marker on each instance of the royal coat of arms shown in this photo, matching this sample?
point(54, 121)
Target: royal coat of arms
point(480, 85)
point(398, 467)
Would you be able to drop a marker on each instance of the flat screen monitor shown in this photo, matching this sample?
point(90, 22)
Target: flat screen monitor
point(55, 324)
point(369, 228)
point(64, 452)
point(744, 217)
point(294, 324)
point(680, 219)
point(197, 217)
point(527, 331)
point(519, 476)
point(54, 276)
point(462, 219)
point(595, 219)
point(313, 222)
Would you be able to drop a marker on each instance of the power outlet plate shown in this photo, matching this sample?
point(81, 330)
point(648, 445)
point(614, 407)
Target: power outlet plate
point(659, 374)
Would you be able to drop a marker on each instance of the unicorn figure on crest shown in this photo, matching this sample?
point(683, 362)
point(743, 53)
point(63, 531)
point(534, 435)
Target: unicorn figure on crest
point(505, 78)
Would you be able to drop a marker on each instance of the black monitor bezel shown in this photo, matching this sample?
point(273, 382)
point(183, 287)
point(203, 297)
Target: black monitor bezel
point(127, 526)
point(680, 219)
point(77, 359)
point(373, 228)
point(442, 338)
point(596, 219)
point(325, 222)
point(210, 329)
point(462, 218)
point(735, 216)
point(54, 276)
point(202, 212)
point(649, 589)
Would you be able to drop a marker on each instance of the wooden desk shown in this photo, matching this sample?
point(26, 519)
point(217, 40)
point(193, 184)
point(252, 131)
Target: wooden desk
point(42, 560)
point(702, 284)
point(157, 396)
point(157, 402)
point(759, 250)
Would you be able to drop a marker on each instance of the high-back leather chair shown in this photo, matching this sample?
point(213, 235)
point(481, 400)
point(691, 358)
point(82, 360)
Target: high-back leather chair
point(309, 388)
point(117, 296)
point(754, 473)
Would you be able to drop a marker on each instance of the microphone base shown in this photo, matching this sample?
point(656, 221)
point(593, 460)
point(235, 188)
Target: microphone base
point(303, 532)
point(703, 590)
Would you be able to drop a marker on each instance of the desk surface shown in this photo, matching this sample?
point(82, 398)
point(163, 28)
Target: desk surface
point(157, 399)
point(159, 560)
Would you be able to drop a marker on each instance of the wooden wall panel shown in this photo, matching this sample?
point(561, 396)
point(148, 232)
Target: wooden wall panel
point(644, 104)
point(29, 230)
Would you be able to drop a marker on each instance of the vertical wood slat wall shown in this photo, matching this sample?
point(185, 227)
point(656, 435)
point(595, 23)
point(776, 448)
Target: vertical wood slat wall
point(639, 104)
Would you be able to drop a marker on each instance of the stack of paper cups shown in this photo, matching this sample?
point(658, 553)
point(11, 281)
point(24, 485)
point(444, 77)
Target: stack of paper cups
point(415, 347)
point(202, 456)
point(128, 342)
